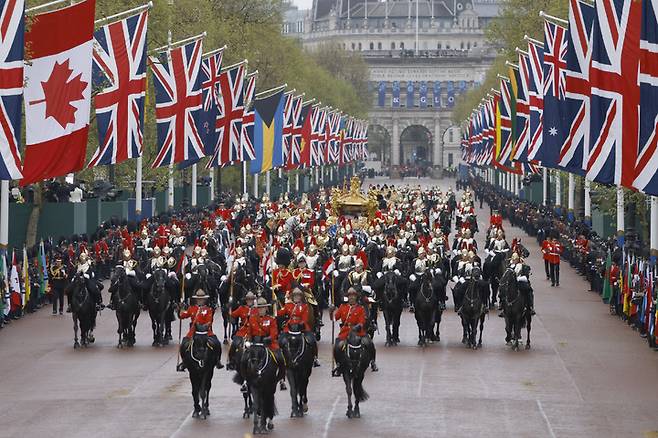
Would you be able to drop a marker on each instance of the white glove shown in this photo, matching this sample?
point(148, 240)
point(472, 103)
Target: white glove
point(336, 274)
point(412, 277)
point(380, 275)
point(267, 278)
point(223, 278)
point(523, 278)
point(130, 273)
point(397, 272)
point(172, 274)
point(367, 289)
point(230, 300)
point(437, 271)
point(455, 252)
point(462, 280)
point(149, 249)
point(455, 279)
point(188, 276)
point(148, 276)
point(86, 276)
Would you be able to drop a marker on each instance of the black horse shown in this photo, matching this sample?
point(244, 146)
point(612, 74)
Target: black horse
point(159, 302)
point(425, 310)
point(126, 307)
point(200, 358)
point(354, 358)
point(492, 271)
point(472, 311)
point(83, 310)
point(299, 364)
point(259, 368)
point(391, 308)
point(515, 310)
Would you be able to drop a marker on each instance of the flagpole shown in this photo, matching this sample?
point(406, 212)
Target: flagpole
point(545, 186)
point(145, 7)
point(256, 185)
point(212, 184)
point(244, 177)
point(272, 90)
point(45, 5)
point(558, 191)
point(654, 229)
point(620, 217)
point(193, 183)
point(138, 188)
point(297, 181)
point(267, 182)
point(555, 20)
point(588, 202)
point(4, 216)
point(571, 200)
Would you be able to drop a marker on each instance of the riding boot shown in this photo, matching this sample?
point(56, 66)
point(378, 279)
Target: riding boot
point(180, 367)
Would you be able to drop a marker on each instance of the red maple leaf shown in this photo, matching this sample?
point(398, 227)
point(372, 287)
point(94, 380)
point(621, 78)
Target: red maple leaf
point(59, 91)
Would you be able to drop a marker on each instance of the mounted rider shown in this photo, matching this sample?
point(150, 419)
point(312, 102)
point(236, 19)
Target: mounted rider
point(262, 327)
point(240, 316)
point(522, 273)
point(416, 279)
point(201, 319)
point(352, 316)
point(297, 314)
point(86, 270)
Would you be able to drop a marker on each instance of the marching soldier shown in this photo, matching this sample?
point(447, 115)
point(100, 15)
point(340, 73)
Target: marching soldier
point(58, 283)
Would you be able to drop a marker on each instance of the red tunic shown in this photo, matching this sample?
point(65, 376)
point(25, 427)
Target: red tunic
point(296, 314)
point(496, 220)
point(282, 277)
point(350, 315)
point(613, 275)
point(555, 250)
point(305, 277)
point(583, 245)
point(263, 326)
point(545, 249)
point(241, 314)
point(199, 315)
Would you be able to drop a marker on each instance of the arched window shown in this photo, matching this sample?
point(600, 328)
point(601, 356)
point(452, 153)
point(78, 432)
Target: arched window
point(393, 45)
point(353, 46)
point(451, 136)
point(372, 46)
point(438, 46)
point(468, 45)
point(359, 47)
point(402, 45)
point(462, 45)
point(379, 46)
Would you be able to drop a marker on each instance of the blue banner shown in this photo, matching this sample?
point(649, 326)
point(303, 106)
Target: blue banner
point(423, 95)
point(410, 94)
point(451, 94)
point(381, 95)
point(437, 94)
point(395, 101)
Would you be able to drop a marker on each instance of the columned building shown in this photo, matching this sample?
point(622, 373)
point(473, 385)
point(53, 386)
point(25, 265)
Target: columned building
point(421, 54)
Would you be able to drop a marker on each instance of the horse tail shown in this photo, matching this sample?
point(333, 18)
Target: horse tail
point(359, 391)
point(269, 405)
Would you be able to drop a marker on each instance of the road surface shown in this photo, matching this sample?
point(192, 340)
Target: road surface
point(587, 375)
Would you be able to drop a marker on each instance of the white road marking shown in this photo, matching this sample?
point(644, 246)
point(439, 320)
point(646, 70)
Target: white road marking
point(327, 424)
point(420, 379)
point(180, 428)
point(548, 423)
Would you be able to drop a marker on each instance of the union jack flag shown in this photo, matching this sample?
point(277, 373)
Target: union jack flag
point(332, 137)
point(575, 150)
point(522, 110)
point(120, 69)
point(554, 119)
point(318, 137)
point(647, 179)
point(536, 97)
point(247, 151)
point(346, 143)
point(12, 30)
point(229, 118)
point(294, 152)
point(210, 71)
point(615, 95)
point(287, 125)
point(178, 104)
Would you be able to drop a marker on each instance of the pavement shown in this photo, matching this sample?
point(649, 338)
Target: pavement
point(587, 375)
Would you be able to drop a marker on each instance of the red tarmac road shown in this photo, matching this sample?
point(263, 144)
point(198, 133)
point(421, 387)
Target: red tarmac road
point(587, 375)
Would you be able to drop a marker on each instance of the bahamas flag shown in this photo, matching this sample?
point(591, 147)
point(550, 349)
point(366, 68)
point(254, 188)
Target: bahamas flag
point(268, 133)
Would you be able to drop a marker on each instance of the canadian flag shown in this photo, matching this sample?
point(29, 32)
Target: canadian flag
point(58, 91)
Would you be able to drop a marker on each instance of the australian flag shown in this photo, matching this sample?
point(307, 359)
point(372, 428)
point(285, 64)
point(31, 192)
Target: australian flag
point(555, 123)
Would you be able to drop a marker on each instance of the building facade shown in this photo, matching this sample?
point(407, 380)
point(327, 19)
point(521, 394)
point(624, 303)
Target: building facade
point(421, 54)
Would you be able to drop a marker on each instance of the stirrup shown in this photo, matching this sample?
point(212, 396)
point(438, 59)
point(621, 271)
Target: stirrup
point(180, 367)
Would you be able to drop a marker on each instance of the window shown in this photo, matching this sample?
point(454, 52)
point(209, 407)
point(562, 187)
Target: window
point(468, 45)
point(450, 160)
point(393, 46)
point(359, 47)
point(353, 46)
point(438, 46)
point(372, 46)
point(379, 46)
point(402, 45)
point(462, 45)
point(451, 136)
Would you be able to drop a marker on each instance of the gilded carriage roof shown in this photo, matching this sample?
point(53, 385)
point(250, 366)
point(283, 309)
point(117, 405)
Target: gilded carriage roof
point(351, 201)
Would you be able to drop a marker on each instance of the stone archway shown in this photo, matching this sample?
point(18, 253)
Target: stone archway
point(379, 144)
point(416, 146)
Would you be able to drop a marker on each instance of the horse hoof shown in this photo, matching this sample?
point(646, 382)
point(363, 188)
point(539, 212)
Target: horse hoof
point(270, 425)
point(527, 346)
point(76, 345)
point(154, 344)
point(357, 413)
point(305, 407)
point(349, 413)
point(245, 415)
point(225, 341)
point(463, 340)
point(195, 414)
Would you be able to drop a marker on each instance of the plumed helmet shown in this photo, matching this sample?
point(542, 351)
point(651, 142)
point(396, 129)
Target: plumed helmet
point(390, 251)
point(283, 257)
point(126, 254)
point(250, 296)
point(359, 263)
